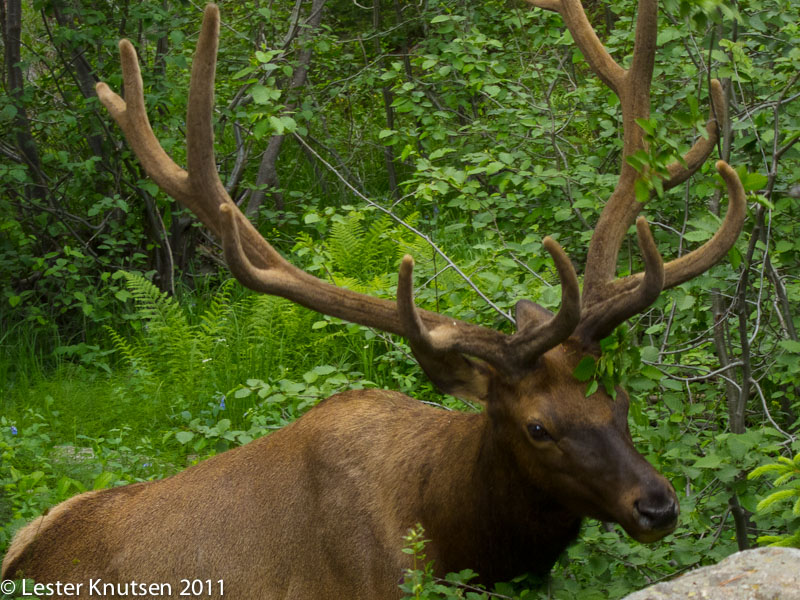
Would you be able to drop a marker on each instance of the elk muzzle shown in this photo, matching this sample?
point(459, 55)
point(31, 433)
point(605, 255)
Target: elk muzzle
point(652, 510)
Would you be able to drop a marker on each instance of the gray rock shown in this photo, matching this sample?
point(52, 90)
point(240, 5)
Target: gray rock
point(761, 574)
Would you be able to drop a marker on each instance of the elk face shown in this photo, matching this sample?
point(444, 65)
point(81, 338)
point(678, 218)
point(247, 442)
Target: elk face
point(579, 449)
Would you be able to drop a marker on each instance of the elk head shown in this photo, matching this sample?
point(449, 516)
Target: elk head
point(576, 450)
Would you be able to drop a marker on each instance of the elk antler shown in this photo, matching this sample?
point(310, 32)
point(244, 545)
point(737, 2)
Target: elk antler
point(607, 301)
point(257, 265)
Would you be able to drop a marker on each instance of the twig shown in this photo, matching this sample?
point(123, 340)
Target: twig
point(788, 436)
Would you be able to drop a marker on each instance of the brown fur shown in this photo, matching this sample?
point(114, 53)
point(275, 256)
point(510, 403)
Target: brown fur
point(319, 509)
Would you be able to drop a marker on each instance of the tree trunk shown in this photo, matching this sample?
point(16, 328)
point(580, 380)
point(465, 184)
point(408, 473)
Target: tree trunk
point(386, 92)
point(15, 84)
point(736, 397)
point(267, 179)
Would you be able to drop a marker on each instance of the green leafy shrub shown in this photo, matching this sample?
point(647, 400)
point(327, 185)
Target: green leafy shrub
point(35, 473)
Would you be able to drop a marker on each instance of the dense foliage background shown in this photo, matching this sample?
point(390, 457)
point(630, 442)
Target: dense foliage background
point(126, 353)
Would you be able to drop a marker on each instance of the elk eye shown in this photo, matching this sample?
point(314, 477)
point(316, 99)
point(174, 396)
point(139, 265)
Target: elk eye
point(538, 433)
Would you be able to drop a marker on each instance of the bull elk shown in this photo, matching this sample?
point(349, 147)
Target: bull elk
point(320, 508)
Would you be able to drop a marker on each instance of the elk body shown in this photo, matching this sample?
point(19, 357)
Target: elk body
point(320, 509)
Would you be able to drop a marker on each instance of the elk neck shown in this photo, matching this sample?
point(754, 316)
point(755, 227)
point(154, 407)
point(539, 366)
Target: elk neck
point(482, 512)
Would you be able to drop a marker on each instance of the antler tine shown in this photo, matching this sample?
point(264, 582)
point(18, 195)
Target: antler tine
point(130, 115)
point(200, 159)
point(700, 260)
point(208, 193)
point(706, 256)
point(531, 342)
point(446, 337)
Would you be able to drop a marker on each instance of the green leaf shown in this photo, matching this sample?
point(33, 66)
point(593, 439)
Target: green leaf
point(642, 190)
point(277, 125)
point(790, 345)
point(649, 353)
point(735, 257)
point(289, 124)
point(260, 129)
point(586, 369)
point(103, 480)
point(494, 167)
point(686, 302)
point(754, 181)
point(647, 125)
point(763, 201)
point(710, 461)
point(261, 94)
point(184, 437)
point(8, 112)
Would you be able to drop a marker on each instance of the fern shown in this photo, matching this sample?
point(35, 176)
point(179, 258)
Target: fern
point(170, 343)
point(214, 318)
point(154, 306)
point(380, 248)
point(345, 244)
point(134, 354)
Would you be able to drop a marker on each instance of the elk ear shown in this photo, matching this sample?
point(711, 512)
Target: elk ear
point(530, 314)
point(455, 374)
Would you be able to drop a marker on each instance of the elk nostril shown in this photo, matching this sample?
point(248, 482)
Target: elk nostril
point(657, 513)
